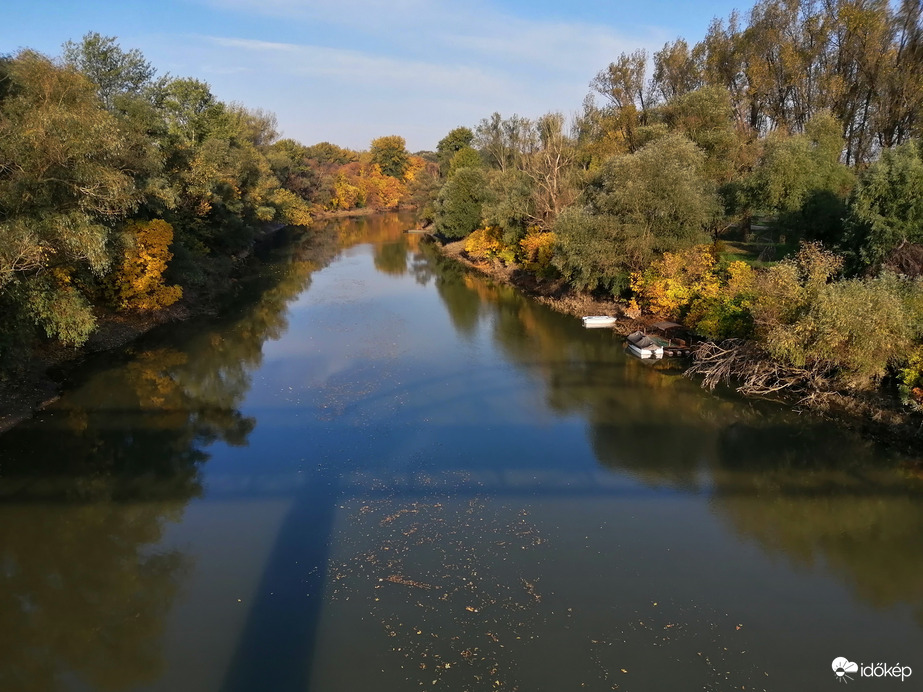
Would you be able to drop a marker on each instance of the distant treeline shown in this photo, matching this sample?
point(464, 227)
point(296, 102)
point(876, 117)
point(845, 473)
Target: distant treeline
point(764, 184)
point(121, 189)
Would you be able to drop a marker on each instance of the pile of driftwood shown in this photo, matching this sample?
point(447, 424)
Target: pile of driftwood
point(753, 372)
point(906, 259)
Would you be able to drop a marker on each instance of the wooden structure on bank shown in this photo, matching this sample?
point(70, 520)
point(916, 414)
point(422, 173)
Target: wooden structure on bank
point(673, 337)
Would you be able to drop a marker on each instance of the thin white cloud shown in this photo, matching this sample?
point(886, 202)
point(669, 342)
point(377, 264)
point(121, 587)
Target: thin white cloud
point(482, 30)
point(558, 48)
point(368, 69)
point(359, 68)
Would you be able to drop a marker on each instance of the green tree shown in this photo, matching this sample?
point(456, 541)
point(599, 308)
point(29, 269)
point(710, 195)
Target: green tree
point(806, 320)
point(800, 178)
point(254, 125)
point(391, 154)
point(660, 192)
point(422, 192)
point(290, 162)
point(459, 206)
point(113, 70)
point(466, 157)
point(327, 153)
point(459, 138)
point(886, 208)
point(635, 207)
point(63, 184)
point(511, 205)
point(191, 110)
point(706, 117)
point(586, 250)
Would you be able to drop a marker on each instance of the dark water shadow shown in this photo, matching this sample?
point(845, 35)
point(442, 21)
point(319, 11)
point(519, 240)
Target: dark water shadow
point(276, 649)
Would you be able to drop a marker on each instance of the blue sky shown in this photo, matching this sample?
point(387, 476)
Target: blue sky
point(346, 71)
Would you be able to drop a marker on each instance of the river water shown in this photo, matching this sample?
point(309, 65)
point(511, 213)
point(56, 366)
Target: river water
point(379, 472)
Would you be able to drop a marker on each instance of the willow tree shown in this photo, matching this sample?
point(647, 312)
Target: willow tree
point(886, 208)
point(624, 85)
point(800, 181)
point(114, 71)
point(63, 185)
point(634, 208)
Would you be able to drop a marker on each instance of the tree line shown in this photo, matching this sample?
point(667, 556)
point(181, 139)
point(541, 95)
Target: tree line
point(124, 190)
point(764, 184)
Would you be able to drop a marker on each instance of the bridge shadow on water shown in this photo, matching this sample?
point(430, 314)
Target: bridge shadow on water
point(277, 646)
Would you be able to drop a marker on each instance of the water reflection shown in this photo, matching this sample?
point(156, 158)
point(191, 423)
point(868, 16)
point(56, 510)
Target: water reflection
point(797, 495)
point(83, 595)
point(797, 486)
point(523, 492)
point(88, 487)
point(134, 426)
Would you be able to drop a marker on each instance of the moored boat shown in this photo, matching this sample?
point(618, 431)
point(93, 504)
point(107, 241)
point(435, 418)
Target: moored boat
point(599, 321)
point(643, 346)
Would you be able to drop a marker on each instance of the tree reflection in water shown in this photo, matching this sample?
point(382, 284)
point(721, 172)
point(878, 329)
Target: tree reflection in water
point(88, 487)
point(798, 495)
point(795, 485)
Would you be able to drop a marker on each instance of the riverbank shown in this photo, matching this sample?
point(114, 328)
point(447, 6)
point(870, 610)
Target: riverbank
point(874, 415)
point(353, 213)
point(33, 386)
point(555, 294)
point(37, 383)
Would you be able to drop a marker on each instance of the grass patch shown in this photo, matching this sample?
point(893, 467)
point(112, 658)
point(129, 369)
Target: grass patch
point(758, 255)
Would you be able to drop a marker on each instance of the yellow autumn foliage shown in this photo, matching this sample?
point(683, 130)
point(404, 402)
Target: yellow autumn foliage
point(912, 372)
point(688, 285)
point(740, 278)
point(672, 282)
point(137, 283)
point(484, 243)
point(537, 249)
point(346, 195)
point(416, 164)
point(381, 191)
point(292, 208)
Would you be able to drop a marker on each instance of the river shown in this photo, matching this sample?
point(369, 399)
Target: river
point(376, 471)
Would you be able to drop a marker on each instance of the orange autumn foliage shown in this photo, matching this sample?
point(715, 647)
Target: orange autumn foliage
point(381, 191)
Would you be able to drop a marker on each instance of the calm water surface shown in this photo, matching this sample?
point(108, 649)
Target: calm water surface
point(378, 472)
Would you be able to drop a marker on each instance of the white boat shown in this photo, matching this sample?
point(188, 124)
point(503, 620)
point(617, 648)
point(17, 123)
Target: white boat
point(643, 346)
point(599, 321)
